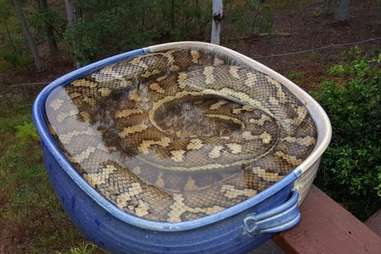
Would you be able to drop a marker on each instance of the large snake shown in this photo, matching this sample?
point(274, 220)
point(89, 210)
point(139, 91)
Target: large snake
point(180, 134)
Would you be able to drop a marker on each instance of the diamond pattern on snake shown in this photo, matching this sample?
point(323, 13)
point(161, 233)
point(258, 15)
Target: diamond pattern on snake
point(181, 134)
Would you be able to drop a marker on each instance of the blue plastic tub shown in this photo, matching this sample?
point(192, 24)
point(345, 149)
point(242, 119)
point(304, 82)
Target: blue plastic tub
point(237, 229)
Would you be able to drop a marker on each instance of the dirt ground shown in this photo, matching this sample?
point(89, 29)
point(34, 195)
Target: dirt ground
point(295, 29)
point(307, 28)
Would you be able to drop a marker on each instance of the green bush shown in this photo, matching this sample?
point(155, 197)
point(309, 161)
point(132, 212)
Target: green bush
point(108, 27)
point(351, 167)
point(18, 59)
point(26, 132)
point(245, 18)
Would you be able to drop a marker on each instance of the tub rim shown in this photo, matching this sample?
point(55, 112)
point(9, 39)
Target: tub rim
point(316, 111)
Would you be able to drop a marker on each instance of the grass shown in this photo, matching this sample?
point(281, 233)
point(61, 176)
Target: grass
point(31, 219)
point(295, 76)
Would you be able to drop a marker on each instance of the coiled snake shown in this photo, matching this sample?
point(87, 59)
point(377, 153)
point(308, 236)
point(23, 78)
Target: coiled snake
point(180, 134)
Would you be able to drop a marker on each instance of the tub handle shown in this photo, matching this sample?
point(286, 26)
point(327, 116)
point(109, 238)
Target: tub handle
point(276, 220)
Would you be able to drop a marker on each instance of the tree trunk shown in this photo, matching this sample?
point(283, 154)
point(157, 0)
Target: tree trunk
point(198, 16)
point(218, 15)
point(172, 17)
point(343, 11)
point(53, 48)
point(71, 17)
point(10, 39)
point(28, 36)
point(70, 12)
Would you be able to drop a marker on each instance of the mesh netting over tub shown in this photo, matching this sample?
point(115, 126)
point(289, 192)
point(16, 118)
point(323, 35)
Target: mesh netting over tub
point(179, 134)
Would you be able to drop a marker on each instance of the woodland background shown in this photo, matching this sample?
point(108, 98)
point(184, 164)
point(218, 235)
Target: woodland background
point(331, 48)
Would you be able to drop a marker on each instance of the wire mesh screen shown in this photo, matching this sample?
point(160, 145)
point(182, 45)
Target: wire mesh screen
point(180, 134)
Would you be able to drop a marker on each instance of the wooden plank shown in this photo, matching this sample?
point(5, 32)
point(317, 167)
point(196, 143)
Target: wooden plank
point(374, 222)
point(327, 228)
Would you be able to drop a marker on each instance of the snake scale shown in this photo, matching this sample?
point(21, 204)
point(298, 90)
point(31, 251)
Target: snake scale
point(180, 134)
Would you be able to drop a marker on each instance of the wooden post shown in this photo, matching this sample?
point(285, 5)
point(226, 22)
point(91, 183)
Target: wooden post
point(218, 14)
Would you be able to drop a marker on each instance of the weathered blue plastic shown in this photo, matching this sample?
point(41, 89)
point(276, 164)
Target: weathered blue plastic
point(237, 229)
